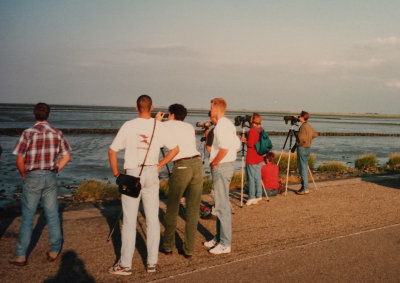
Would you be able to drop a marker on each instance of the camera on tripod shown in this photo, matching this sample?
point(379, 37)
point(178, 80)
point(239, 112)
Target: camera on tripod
point(241, 120)
point(293, 119)
point(165, 117)
point(204, 125)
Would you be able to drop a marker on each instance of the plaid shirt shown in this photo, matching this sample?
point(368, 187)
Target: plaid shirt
point(40, 146)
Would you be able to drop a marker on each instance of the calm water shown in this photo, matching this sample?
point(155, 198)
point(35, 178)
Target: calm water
point(90, 161)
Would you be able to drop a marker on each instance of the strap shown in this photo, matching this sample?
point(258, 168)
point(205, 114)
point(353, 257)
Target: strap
point(152, 135)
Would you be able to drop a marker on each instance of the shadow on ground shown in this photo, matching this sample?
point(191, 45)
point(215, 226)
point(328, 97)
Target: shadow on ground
point(72, 269)
point(389, 181)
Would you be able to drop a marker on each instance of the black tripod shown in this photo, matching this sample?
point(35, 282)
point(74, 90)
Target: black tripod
point(292, 133)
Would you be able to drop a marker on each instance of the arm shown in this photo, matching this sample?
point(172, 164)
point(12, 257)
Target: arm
point(112, 156)
point(221, 154)
point(21, 165)
point(170, 155)
point(314, 133)
point(63, 161)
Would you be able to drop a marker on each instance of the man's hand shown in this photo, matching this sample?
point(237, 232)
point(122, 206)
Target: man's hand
point(159, 116)
point(112, 156)
point(21, 166)
point(244, 140)
point(63, 161)
point(213, 165)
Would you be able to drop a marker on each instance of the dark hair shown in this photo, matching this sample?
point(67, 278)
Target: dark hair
point(270, 156)
point(41, 111)
point(144, 103)
point(178, 110)
point(305, 115)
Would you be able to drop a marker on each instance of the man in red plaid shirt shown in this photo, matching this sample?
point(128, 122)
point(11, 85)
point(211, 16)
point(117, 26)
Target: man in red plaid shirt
point(37, 153)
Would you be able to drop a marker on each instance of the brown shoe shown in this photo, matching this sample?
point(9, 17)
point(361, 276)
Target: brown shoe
point(18, 261)
point(51, 256)
point(302, 192)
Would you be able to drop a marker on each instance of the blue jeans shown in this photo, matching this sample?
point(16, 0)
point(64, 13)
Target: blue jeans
point(221, 178)
point(253, 179)
point(303, 155)
point(39, 184)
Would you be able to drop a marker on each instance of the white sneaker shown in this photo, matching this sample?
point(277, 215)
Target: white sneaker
point(258, 200)
point(151, 268)
point(211, 243)
point(251, 201)
point(120, 270)
point(220, 249)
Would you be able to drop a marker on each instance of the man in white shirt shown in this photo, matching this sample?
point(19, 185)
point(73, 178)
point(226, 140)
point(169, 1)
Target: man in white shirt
point(222, 157)
point(187, 177)
point(134, 137)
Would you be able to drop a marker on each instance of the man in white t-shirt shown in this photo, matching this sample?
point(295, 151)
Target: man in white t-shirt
point(186, 177)
point(222, 156)
point(134, 137)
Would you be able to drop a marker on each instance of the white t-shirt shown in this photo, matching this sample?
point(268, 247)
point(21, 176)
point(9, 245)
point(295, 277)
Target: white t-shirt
point(184, 135)
point(225, 138)
point(134, 136)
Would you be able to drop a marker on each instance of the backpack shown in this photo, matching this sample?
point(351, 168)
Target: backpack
point(264, 144)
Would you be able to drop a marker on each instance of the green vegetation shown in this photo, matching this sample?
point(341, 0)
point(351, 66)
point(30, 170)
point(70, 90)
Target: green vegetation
point(394, 161)
point(92, 190)
point(293, 161)
point(332, 166)
point(365, 162)
point(98, 190)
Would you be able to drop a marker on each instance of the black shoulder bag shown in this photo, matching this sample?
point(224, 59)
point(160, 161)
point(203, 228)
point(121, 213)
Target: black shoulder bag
point(130, 185)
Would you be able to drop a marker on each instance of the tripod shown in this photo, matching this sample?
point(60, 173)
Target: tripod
point(292, 133)
point(242, 168)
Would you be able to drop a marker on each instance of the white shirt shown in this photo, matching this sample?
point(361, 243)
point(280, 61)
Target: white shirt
point(184, 135)
point(134, 136)
point(225, 138)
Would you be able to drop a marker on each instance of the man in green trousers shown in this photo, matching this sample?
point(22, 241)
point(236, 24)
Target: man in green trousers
point(186, 177)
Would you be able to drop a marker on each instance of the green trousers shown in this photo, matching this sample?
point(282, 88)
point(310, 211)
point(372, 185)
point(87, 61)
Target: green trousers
point(187, 177)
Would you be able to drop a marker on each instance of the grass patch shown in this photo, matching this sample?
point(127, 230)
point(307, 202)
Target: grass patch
point(92, 190)
point(332, 166)
point(394, 160)
point(366, 161)
point(293, 161)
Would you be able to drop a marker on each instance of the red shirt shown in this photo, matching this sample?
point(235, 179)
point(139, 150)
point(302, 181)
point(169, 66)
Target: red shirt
point(40, 146)
point(270, 176)
point(252, 156)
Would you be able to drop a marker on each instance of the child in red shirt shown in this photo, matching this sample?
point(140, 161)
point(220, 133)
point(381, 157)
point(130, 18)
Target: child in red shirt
point(270, 175)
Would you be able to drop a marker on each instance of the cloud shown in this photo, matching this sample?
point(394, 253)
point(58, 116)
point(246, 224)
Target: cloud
point(353, 64)
point(167, 51)
point(391, 40)
point(393, 84)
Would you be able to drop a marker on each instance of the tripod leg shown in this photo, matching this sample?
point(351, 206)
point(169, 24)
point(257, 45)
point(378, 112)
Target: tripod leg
point(279, 160)
point(312, 178)
point(265, 192)
point(115, 224)
point(287, 173)
point(242, 183)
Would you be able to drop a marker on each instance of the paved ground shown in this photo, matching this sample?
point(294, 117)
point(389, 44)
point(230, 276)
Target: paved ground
point(347, 230)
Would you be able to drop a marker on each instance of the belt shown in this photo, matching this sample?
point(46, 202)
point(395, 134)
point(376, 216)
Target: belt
point(187, 158)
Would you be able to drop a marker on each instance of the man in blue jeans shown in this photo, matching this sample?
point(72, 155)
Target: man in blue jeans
point(305, 137)
point(222, 156)
point(37, 153)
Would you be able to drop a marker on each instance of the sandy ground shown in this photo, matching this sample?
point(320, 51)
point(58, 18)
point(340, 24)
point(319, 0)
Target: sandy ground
point(347, 230)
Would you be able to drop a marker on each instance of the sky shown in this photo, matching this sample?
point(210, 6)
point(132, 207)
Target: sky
point(338, 56)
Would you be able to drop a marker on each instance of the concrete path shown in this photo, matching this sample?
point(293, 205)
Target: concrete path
point(346, 231)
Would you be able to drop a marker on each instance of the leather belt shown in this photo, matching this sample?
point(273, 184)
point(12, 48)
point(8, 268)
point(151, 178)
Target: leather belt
point(187, 158)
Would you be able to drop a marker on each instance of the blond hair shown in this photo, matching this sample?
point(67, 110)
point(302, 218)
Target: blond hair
point(219, 103)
